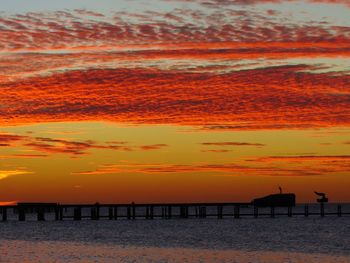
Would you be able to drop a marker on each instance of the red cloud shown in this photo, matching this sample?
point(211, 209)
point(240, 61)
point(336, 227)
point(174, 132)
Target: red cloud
point(272, 98)
point(223, 169)
point(77, 30)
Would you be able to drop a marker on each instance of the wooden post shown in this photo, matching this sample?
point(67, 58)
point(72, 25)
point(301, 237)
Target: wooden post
point(290, 211)
point(57, 213)
point(196, 211)
point(21, 214)
point(4, 214)
point(219, 212)
point(61, 213)
point(306, 210)
point(236, 211)
point(115, 212)
point(128, 212)
point(322, 209)
point(94, 213)
point(110, 213)
point(97, 212)
point(147, 212)
point(339, 211)
point(41, 213)
point(203, 212)
point(133, 211)
point(256, 211)
point(151, 212)
point(169, 212)
point(77, 214)
point(163, 212)
point(272, 212)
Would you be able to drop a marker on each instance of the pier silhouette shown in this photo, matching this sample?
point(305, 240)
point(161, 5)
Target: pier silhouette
point(281, 204)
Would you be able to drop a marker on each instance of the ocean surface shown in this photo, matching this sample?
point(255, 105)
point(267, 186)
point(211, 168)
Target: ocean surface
point(280, 239)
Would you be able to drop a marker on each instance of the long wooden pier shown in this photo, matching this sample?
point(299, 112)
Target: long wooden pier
point(132, 211)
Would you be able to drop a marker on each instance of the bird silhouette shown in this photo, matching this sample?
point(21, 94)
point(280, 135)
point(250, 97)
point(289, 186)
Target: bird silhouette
point(320, 194)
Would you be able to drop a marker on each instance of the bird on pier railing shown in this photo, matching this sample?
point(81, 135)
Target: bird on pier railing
point(280, 189)
point(323, 198)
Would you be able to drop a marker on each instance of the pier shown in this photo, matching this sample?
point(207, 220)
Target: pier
point(133, 211)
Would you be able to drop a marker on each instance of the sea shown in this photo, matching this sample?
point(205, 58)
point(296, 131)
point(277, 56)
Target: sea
point(247, 239)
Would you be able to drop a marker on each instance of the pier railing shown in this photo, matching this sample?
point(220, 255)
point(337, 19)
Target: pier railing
point(42, 212)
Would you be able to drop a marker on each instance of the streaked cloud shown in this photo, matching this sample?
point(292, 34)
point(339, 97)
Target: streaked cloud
point(231, 169)
point(264, 98)
point(232, 144)
point(8, 173)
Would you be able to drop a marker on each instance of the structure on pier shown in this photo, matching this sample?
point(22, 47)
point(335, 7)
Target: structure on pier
point(275, 200)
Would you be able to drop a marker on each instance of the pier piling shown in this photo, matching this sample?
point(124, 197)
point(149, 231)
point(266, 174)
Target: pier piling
point(110, 213)
point(220, 208)
point(4, 214)
point(77, 213)
point(21, 214)
point(339, 212)
point(256, 212)
point(306, 210)
point(41, 213)
point(115, 212)
point(272, 212)
point(236, 211)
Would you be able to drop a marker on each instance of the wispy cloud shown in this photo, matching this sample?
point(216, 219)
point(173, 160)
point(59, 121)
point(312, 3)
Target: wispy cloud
point(232, 144)
point(8, 173)
point(266, 98)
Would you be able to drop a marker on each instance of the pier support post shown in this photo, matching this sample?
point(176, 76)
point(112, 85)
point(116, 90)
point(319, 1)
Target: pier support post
point(77, 213)
point(202, 212)
point(110, 213)
point(290, 211)
point(128, 212)
point(4, 214)
point(256, 211)
point(220, 212)
point(133, 211)
point(163, 212)
point(306, 210)
point(322, 209)
point(95, 215)
point(151, 210)
point(21, 214)
point(339, 212)
point(147, 212)
point(184, 211)
point(41, 214)
point(272, 214)
point(169, 212)
point(61, 213)
point(236, 212)
point(115, 213)
point(57, 213)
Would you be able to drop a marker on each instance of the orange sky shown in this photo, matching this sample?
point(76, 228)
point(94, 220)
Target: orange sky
point(183, 101)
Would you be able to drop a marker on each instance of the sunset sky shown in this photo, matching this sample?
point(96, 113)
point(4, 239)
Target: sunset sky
point(174, 100)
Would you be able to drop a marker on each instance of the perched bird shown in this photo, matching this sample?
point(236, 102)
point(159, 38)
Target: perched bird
point(320, 194)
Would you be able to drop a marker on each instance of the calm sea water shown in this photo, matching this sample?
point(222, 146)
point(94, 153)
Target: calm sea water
point(280, 239)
